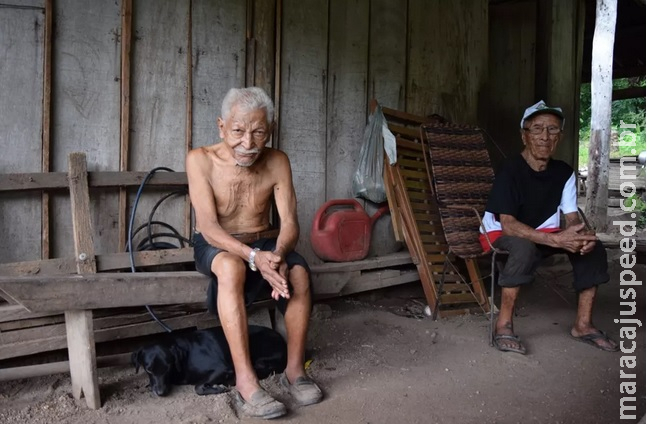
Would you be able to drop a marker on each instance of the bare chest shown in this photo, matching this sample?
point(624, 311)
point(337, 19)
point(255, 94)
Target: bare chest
point(242, 196)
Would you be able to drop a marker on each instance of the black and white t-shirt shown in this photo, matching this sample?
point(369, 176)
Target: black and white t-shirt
point(533, 198)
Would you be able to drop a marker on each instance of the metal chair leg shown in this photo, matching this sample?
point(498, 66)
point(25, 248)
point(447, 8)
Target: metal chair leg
point(492, 277)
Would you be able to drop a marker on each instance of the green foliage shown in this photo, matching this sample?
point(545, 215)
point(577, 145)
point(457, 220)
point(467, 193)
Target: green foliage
point(639, 208)
point(629, 111)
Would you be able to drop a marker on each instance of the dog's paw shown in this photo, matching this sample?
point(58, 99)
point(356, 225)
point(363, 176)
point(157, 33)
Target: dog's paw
point(210, 389)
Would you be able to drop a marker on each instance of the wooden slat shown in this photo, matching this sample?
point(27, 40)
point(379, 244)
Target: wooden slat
point(78, 323)
point(58, 180)
point(411, 133)
point(109, 290)
point(105, 290)
point(46, 139)
point(39, 370)
point(397, 115)
point(18, 312)
point(124, 125)
point(29, 347)
point(121, 261)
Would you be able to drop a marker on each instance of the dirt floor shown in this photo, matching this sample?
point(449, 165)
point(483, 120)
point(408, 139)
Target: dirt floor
point(380, 360)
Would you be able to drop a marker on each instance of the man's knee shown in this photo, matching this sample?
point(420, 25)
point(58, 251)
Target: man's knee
point(299, 278)
point(522, 260)
point(519, 249)
point(229, 269)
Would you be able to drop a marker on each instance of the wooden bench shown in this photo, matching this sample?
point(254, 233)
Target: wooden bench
point(88, 282)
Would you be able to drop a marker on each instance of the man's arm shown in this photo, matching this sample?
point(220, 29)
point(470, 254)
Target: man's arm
point(198, 167)
point(286, 205)
point(570, 239)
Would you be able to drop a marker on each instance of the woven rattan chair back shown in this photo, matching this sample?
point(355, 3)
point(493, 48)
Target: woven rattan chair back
point(462, 176)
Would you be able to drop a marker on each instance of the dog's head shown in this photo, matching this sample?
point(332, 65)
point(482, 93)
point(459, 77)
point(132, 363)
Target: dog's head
point(160, 363)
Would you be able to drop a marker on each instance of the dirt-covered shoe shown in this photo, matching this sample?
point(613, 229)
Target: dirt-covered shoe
point(260, 405)
point(303, 390)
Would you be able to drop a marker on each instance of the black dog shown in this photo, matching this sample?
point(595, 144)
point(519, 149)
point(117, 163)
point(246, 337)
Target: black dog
point(202, 358)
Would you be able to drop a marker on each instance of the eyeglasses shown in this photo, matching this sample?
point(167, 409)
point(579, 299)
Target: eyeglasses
point(536, 130)
point(238, 133)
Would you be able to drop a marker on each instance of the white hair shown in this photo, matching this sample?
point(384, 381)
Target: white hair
point(248, 99)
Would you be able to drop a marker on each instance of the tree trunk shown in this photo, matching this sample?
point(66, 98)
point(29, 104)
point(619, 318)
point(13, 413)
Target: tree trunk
point(597, 192)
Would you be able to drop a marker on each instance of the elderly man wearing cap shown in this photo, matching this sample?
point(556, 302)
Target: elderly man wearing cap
point(530, 192)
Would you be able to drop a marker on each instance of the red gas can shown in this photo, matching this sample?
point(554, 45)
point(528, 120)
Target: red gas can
point(341, 230)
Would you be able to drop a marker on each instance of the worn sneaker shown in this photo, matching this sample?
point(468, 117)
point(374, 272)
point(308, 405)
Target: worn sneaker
point(303, 390)
point(260, 405)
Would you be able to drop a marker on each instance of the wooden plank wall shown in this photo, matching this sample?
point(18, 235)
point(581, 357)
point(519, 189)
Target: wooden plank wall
point(85, 112)
point(538, 49)
point(447, 63)
point(322, 60)
point(304, 83)
point(21, 98)
point(512, 78)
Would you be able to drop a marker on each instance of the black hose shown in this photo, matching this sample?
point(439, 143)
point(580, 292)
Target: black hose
point(130, 235)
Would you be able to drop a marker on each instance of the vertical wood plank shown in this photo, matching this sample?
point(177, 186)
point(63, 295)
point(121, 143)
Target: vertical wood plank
point(447, 58)
point(124, 133)
point(21, 125)
point(512, 75)
point(303, 107)
point(158, 106)
point(46, 141)
point(388, 53)
point(189, 110)
point(264, 35)
point(346, 98)
point(565, 69)
point(218, 33)
point(78, 324)
point(86, 112)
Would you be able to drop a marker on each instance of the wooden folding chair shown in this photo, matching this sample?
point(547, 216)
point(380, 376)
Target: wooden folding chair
point(416, 219)
point(462, 176)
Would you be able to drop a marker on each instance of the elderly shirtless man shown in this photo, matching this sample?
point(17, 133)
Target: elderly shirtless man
point(231, 185)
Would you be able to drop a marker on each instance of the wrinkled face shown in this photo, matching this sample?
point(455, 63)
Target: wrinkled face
point(537, 137)
point(245, 132)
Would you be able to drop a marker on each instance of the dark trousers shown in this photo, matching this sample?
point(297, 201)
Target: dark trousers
point(524, 256)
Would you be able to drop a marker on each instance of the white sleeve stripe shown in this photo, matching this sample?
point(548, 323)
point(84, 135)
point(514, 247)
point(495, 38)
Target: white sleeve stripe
point(569, 196)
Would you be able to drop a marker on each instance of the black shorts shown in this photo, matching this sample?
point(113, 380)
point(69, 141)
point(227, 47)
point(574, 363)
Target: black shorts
point(256, 287)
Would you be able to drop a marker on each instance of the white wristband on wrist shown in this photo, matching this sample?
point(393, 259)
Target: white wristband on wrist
point(252, 259)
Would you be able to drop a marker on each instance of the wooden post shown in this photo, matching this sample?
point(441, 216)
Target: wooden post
point(597, 191)
point(46, 140)
point(189, 110)
point(78, 323)
point(124, 142)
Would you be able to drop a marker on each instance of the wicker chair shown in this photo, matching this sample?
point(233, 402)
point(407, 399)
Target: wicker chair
point(461, 173)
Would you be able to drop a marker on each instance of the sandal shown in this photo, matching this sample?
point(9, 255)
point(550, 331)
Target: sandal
point(506, 348)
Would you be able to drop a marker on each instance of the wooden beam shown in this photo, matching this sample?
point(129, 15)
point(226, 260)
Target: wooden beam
point(105, 290)
point(121, 261)
point(39, 293)
point(58, 180)
point(46, 139)
point(628, 93)
point(124, 125)
point(189, 109)
point(78, 323)
point(105, 263)
point(29, 347)
point(30, 371)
